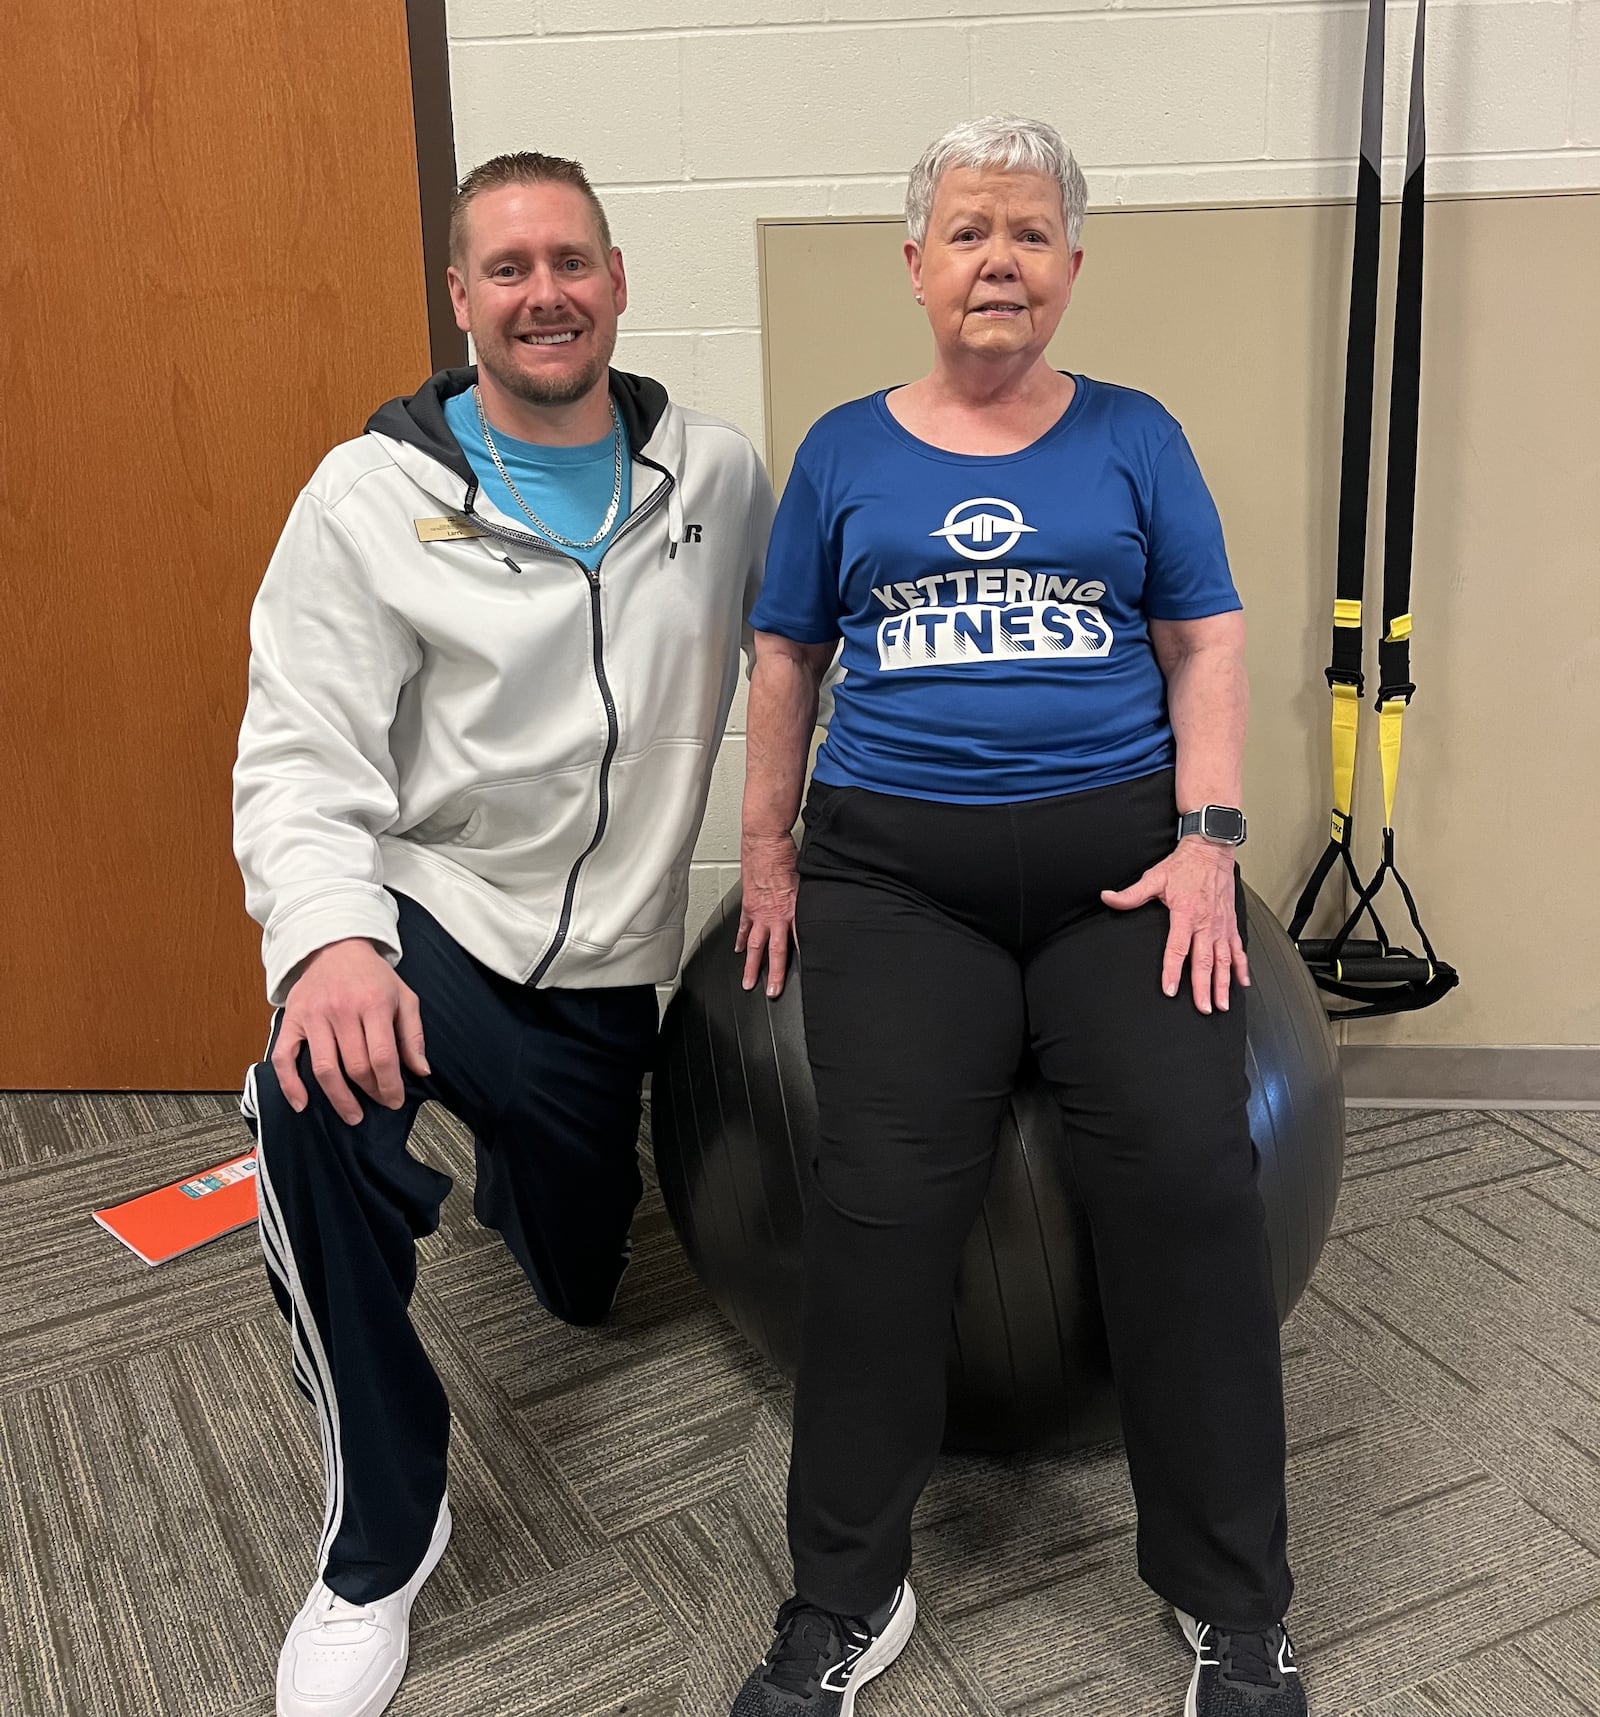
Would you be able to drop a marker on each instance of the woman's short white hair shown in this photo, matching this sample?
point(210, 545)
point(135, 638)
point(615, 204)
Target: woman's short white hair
point(1011, 146)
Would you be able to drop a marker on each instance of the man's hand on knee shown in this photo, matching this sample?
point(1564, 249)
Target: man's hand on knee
point(357, 1018)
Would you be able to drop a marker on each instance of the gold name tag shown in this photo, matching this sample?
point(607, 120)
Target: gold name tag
point(451, 528)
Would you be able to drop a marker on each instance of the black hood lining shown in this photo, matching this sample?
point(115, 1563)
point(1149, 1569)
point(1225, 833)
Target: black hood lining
point(418, 419)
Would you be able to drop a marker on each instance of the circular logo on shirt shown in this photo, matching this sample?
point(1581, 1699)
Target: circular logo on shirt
point(983, 529)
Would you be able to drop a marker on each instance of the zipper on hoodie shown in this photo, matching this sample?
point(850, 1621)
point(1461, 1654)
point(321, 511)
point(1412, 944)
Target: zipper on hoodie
point(613, 726)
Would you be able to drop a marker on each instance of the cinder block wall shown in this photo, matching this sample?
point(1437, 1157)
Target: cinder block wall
point(697, 117)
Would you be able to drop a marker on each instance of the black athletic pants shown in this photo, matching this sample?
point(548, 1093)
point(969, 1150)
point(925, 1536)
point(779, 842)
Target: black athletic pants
point(937, 940)
point(549, 1083)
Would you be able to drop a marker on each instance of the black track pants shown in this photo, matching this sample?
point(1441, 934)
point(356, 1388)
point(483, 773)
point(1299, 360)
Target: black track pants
point(936, 941)
point(549, 1083)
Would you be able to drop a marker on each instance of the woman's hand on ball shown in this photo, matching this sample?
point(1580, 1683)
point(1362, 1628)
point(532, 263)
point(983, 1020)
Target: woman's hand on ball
point(769, 869)
point(1196, 886)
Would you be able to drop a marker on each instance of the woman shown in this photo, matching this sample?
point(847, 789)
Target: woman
point(1020, 834)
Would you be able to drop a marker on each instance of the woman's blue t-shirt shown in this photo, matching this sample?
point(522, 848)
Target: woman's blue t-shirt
point(994, 608)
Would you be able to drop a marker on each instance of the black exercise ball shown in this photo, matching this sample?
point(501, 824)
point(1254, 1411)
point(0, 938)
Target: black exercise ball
point(734, 1121)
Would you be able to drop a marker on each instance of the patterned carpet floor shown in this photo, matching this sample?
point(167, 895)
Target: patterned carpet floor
point(618, 1493)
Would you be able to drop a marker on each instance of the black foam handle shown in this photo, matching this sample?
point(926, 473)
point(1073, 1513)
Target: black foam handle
point(1318, 950)
point(1388, 969)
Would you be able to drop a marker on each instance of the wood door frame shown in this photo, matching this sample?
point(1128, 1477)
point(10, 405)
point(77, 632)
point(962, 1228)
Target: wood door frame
point(429, 36)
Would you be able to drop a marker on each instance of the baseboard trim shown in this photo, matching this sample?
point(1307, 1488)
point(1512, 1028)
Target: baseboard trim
point(1472, 1076)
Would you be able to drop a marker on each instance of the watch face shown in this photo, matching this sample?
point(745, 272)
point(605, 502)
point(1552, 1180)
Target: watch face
point(1222, 823)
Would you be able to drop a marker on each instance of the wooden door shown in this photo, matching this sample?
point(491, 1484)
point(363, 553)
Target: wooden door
point(210, 261)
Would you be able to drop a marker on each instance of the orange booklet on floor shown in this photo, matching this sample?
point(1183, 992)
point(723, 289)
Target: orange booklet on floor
point(177, 1218)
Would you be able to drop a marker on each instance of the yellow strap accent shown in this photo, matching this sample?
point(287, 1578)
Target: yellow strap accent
point(1348, 613)
point(1390, 717)
point(1346, 717)
point(1399, 628)
point(1337, 831)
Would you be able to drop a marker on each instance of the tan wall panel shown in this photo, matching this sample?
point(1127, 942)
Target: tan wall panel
point(1235, 319)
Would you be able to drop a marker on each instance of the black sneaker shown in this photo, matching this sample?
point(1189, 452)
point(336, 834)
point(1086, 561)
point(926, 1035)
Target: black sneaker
point(1241, 1675)
point(819, 1662)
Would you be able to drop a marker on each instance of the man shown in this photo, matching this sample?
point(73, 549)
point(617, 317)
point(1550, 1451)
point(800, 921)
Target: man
point(491, 662)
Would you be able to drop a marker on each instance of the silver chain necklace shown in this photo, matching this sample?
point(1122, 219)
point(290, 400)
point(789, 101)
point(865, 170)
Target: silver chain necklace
point(505, 477)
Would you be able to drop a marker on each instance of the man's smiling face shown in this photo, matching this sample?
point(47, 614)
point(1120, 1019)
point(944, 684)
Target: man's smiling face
point(538, 292)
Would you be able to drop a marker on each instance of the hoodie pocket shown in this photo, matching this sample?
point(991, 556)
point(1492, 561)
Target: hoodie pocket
point(449, 826)
point(524, 835)
point(636, 883)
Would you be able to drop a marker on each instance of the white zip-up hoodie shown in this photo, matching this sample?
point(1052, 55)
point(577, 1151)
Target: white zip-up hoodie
point(522, 746)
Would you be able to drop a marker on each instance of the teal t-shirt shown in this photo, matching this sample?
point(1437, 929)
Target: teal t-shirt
point(568, 487)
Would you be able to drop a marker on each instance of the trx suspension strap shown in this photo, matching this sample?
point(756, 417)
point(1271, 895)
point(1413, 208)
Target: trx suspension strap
point(1373, 974)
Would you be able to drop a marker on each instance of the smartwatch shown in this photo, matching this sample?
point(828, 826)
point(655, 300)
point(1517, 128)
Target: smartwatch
point(1223, 824)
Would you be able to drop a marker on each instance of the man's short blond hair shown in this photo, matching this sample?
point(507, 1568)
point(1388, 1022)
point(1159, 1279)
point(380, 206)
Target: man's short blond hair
point(525, 167)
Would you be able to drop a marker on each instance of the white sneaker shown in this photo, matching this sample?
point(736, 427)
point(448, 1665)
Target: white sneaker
point(345, 1660)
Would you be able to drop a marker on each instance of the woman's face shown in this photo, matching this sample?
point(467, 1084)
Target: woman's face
point(994, 269)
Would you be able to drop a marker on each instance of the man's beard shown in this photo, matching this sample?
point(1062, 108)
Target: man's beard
point(557, 390)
